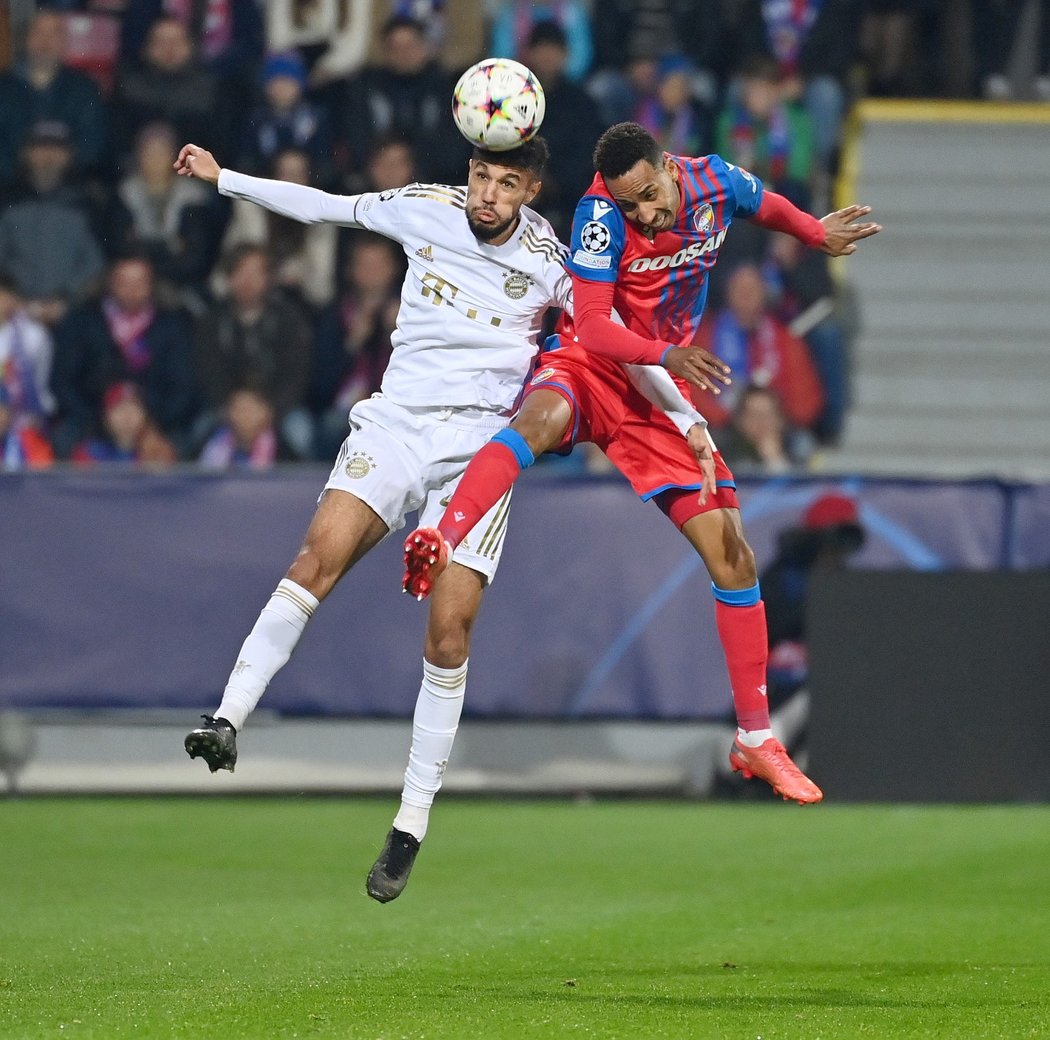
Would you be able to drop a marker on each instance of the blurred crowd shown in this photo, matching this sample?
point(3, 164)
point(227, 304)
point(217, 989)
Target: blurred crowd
point(145, 319)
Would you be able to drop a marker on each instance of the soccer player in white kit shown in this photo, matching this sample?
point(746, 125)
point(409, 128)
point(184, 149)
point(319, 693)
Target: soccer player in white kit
point(482, 270)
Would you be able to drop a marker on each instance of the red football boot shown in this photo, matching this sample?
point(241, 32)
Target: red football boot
point(771, 762)
point(427, 554)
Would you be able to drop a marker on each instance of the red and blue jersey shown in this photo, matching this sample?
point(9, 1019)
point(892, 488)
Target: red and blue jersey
point(661, 285)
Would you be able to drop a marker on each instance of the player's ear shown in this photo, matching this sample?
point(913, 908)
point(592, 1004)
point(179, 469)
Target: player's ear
point(671, 168)
point(533, 190)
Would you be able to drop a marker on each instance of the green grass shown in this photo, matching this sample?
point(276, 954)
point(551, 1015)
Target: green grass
point(247, 919)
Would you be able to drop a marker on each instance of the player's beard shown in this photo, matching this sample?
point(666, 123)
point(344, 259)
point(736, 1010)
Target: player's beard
point(487, 232)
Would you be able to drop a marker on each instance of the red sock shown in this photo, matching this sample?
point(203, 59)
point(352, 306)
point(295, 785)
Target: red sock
point(488, 478)
point(746, 646)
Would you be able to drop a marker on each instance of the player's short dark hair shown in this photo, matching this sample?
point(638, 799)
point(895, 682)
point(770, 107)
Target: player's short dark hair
point(531, 156)
point(621, 146)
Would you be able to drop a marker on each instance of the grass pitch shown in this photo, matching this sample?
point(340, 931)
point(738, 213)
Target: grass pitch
point(247, 919)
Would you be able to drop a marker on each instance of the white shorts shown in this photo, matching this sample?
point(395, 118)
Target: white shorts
point(398, 459)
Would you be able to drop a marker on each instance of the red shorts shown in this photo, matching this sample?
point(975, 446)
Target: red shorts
point(639, 440)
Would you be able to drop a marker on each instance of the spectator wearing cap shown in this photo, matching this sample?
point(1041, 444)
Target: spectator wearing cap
point(168, 84)
point(828, 535)
point(25, 360)
point(46, 240)
point(571, 126)
point(128, 432)
point(41, 87)
point(21, 446)
point(407, 93)
point(286, 119)
point(513, 22)
point(125, 336)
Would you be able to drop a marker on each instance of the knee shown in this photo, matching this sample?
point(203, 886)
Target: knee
point(736, 569)
point(447, 647)
point(311, 572)
point(543, 426)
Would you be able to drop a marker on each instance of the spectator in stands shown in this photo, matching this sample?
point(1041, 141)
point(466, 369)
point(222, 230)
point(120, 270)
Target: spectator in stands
point(996, 25)
point(168, 84)
point(258, 339)
point(514, 20)
point(392, 164)
point(303, 256)
point(761, 352)
point(124, 336)
point(247, 437)
point(129, 433)
point(228, 34)
point(759, 436)
point(21, 446)
point(165, 216)
point(890, 45)
point(286, 119)
point(41, 87)
point(802, 295)
point(630, 37)
point(46, 241)
point(671, 114)
point(571, 127)
point(335, 35)
point(25, 361)
point(406, 93)
point(352, 345)
point(815, 47)
point(768, 135)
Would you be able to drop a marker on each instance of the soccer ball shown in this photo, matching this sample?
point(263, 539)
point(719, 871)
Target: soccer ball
point(498, 104)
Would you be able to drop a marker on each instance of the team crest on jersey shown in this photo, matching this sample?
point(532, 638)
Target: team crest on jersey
point(515, 285)
point(543, 375)
point(704, 217)
point(595, 237)
point(359, 465)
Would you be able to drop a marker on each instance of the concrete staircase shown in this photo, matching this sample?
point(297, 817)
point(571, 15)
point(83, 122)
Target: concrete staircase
point(952, 364)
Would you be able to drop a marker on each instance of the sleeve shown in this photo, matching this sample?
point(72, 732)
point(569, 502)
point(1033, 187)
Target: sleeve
point(598, 236)
point(597, 332)
point(657, 386)
point(778, 214)
point(746, 189)
point(307, 205)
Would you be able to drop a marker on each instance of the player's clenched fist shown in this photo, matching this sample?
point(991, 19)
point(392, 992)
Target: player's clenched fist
point(194, 161)
point(699, 367)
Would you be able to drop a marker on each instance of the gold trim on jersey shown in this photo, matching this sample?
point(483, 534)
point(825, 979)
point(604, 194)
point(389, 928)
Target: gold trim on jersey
point(493, 536)
point(548, 247)
point(438, 193)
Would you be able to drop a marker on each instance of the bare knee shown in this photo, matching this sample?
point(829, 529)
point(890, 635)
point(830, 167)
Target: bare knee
point(310, 570)
point(543, 420)
point(447, 645)
point(735, 569)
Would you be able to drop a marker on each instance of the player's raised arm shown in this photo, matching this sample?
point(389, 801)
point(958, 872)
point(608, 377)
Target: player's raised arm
point(836, 234)
point(307, 205)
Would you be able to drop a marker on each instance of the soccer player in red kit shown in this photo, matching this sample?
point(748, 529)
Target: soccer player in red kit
point(643, 239)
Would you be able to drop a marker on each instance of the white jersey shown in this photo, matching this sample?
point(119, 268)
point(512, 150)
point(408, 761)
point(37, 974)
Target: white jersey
point(467, 330)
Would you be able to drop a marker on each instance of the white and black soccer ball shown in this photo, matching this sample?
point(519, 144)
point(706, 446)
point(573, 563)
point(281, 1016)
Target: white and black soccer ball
point(498, 104)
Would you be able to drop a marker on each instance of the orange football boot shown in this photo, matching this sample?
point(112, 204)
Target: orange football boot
point(771, 762)
point(427, 554)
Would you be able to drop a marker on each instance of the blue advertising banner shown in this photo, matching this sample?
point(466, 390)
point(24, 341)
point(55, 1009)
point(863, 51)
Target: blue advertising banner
point(131, 590)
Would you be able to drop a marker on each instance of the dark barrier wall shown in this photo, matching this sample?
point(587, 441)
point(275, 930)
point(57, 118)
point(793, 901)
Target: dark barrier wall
point(132, 590)
point(930, 687)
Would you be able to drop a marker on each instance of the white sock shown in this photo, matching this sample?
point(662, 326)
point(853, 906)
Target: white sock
point(266, 650)
point(753, 737)
point(434, 726)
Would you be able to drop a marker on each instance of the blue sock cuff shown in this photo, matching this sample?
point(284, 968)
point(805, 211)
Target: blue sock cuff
point(514, 440)
point(738, 597)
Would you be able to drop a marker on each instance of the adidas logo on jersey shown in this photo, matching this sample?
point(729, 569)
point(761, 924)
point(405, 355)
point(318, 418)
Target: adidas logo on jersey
point(425, 253)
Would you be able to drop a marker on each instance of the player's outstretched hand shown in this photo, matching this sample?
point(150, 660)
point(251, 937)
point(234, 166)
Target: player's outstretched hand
point(701, 445)
point(194, 161)
point(699, 367)
point(843, 233)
